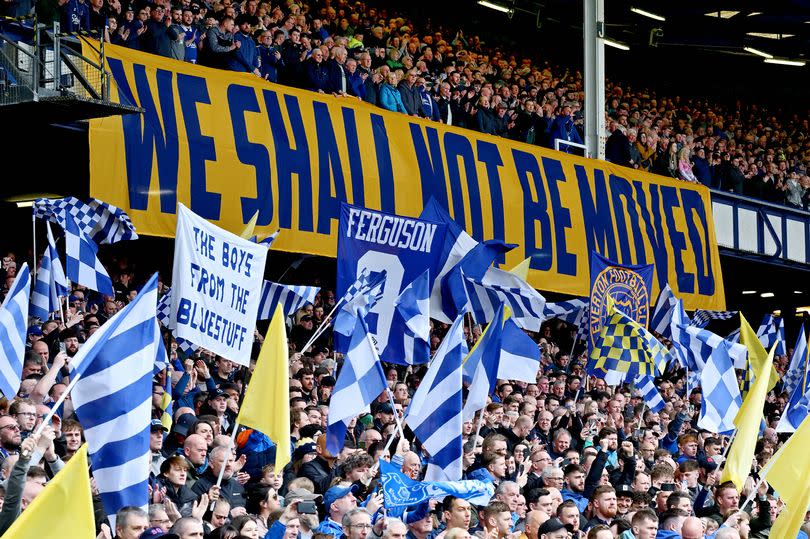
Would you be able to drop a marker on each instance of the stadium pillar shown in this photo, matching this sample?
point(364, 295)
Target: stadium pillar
point(593, 30)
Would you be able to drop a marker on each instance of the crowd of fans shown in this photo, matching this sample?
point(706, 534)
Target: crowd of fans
point(569, 457)
point(437, 72)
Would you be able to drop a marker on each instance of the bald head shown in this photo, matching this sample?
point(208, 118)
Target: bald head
point(534, 519)
point(30, 491)
point(727, 533)
point(195, 449)
point(692, 528)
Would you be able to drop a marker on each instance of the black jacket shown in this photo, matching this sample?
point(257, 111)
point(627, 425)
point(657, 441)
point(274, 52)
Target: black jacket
point(229, 489)
point(318, 471)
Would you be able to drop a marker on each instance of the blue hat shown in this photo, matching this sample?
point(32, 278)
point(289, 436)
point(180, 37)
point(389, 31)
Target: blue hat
point(35, 330)
point(336, 493)
point(158, 425)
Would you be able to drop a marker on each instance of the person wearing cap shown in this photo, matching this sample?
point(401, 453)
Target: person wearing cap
point(553, 528)
point(337, 501)
point(34, 334)
point(217, 405)
point(157, 430)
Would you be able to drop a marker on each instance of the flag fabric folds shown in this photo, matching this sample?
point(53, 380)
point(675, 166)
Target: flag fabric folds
point(568, 311)
point(625, 347)
point(520, 355)
point(475, 264)
point(662, 314)
point(646, 388)
point(757, 356)
point(356, 302)
point(721, 395)
point(747, 421)
point(289, 297)
point(402, 491)
point(413, 304)
point(51, 282)
point(266, 406)
point(100, 221)
point(82, 264)
point(164, 308)
point(13, 333)
point(113, 400)
point(498, 287)
point(772, 331)
point(457, 243)
point(67, 499)
point(360, 381)
point(434, 414)
point(798, 364)
point(485, 358)
point(702, 317)
point(789, 476)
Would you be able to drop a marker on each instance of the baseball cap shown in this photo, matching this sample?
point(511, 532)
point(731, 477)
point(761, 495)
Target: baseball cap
point(35, 330)
point(300, 494)
point(385, 408)
point(336, 493)
point(184, 423)
point(216, 393)
point(550, 526)
point(157, 531)
point(304, 449)
point(157, 425)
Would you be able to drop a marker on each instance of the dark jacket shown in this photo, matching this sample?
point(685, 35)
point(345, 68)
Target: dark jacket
point(485, 121)
point(229, 489)
point(269, 64)
point(338, 78)
point(318, 471)
point(410, 98)
point(562, 128)
point(617, 148)
point(316, 76)
point(246, 58)
point(14, 490)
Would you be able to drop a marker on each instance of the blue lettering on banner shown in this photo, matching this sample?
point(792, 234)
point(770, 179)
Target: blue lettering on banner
point(596, 213)
point(686, 280)
point(535, 212)
point(566, 262)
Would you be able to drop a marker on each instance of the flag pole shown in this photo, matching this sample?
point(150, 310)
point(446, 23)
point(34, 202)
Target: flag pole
point(34, 240)
point(321, 328)
point(393, 407)
point(730, 441)
point(47, 419)
point(231, 442)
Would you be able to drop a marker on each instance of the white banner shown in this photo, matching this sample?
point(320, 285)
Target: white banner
point(216, 287)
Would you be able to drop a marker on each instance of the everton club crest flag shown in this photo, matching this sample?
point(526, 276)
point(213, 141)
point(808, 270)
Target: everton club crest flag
point(629, 286)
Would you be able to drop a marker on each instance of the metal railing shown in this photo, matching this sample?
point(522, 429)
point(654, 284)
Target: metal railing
point(36, 63)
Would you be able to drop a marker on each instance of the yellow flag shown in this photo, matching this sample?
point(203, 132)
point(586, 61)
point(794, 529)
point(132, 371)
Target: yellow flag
point(247, 233)
point(67, 498)
point(522, 269)
point(267, 400)
point(756, 352)
point(789, 475)
point(747, 421)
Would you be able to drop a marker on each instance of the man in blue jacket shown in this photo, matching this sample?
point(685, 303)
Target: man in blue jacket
point(246, 57)
point(430, 109)
point(563, 129)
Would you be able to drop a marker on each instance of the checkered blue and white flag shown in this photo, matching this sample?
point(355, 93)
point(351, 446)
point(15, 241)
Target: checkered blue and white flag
point(102, 222)
point(413, 304)
point(357, 301)
point(798, 364)
point(721, 394)
point(772, 331)
point(51, 282)
point(83, 266)
point(702, 317)
point(290, 297)
point(164, 308)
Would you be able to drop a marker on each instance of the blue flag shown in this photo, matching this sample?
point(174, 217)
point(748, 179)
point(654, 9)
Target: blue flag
point(401, 247)
point(402, 491)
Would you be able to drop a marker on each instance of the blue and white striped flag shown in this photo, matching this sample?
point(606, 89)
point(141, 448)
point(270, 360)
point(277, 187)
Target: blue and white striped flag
point(568, 311)
point(497, 288)
point(164, 309)
point(359, 383)
point(290, 297)
point(356, 302)
point(413, 304)
point(113, 400)
point(51, 282)
point(772, 331)
point(102, 222)
point(702, 317)
point(268, 241)
point(662, 314)
point(483, 364)
point(798, 364)
point(721, 393)
point(520, 355)
point(646, 388)
point(83, 266)
point(798, 405)
point(434, 414)
point(13, 333)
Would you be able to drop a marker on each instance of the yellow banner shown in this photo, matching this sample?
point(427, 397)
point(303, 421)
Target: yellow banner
point(229, 144)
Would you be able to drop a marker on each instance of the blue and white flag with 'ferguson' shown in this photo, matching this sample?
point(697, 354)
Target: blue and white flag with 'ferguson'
point(13, 332)
point(721, 393)
point(290, 297)
point(113, 400)
point(434, 414)
point(398, 246)
point(402, 491)
point(360, 381)
point(83, 266)
point(51, 282)
point(413, 304)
